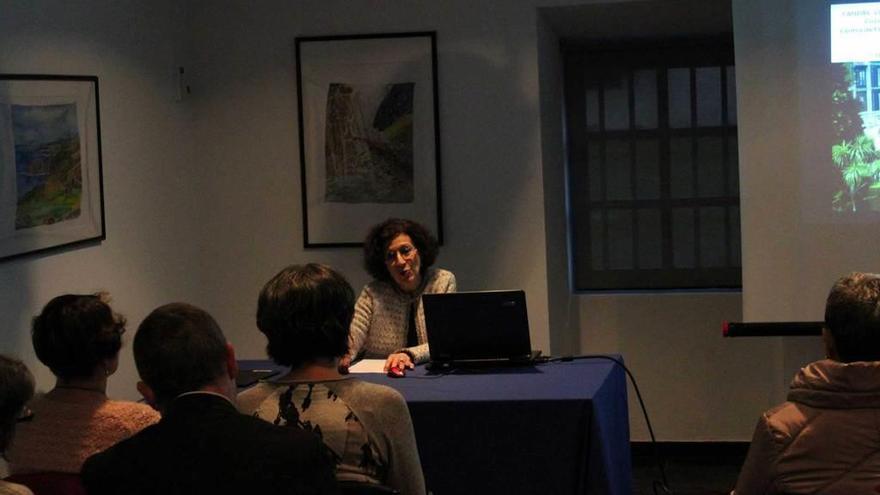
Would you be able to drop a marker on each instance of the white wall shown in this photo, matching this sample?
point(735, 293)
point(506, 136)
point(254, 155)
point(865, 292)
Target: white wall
point(563, 306)
point(244, 83)
point(151, 251)
point(202, 197)
point(503, 191)
point(697, 386)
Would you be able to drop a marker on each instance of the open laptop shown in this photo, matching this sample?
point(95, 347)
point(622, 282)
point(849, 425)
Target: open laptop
point(478, 329)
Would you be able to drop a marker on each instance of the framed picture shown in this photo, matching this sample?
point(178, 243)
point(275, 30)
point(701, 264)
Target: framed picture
point(51, 195)
point(368, 133)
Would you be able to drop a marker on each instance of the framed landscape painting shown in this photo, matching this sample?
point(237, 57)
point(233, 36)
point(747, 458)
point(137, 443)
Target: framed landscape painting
point(51, 194)
point(368, 134)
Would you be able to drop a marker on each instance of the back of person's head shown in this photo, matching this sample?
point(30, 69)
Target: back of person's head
point(16, 388)
point(852, 316)
point(179, 348)
point(75, 334)
point(305, 312)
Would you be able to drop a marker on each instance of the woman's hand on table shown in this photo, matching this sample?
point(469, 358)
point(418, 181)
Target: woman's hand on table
point(344, 364)
point(400, 360)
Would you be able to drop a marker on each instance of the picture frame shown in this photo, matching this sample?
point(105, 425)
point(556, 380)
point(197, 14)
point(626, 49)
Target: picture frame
point(369, 134)
point(51, 180)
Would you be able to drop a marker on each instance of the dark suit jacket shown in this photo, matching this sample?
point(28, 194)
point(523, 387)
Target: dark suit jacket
point(204, 445)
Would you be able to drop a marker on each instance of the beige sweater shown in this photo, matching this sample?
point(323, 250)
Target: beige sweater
point(7, 488)
point(69, 425)
point(381, 316)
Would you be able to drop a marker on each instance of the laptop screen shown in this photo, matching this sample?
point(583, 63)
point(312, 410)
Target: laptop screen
point(484, 325)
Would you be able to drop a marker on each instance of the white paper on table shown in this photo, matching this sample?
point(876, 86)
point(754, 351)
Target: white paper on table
point(368, 366)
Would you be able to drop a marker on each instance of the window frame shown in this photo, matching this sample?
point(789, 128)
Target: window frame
point(631, 57)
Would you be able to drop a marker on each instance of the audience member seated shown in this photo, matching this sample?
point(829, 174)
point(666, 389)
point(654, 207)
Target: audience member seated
point(389, 319)
point(16, 388)
point(825, 439)
point(305, 313)
point(78, 337)
point(202, 443)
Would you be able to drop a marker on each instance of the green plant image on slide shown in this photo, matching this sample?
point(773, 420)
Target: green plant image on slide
point(856, 124)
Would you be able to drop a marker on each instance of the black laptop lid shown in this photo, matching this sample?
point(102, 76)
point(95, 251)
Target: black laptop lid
point(465, 326)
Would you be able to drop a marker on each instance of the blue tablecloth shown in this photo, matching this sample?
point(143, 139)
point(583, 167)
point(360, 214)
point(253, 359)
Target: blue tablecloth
point(556, 428)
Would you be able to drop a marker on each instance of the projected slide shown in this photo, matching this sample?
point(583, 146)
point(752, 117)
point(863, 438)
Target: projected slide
point(855, 101)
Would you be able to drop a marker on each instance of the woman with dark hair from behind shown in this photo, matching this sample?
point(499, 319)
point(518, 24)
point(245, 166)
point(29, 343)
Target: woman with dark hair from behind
point(78, 338)
point(825, 438)
point(305, 312)
point(16, 388)
point(389, 319)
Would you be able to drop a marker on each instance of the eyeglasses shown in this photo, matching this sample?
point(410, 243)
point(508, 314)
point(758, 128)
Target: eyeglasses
point(26, 415)
point(406, 252)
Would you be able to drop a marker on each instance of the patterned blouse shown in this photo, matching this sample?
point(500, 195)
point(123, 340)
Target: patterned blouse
point(366, 426)
point(315, 407)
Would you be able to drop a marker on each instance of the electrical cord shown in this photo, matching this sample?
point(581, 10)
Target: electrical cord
point(663, 483)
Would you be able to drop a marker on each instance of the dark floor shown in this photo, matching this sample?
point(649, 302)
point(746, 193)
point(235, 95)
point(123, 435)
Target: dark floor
point(691, 468)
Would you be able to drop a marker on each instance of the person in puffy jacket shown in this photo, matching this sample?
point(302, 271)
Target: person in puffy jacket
point(826, 437)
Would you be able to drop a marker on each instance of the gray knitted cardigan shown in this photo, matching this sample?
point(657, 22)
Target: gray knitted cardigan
point(381, 316)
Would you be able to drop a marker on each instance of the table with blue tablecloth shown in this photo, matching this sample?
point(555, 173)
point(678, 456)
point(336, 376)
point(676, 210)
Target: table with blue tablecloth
point(554, 428)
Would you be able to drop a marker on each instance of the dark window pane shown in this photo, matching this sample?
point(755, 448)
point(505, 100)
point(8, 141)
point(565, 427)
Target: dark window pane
point(582, 238)
point(735, 252)
point(679, 98)
point(710, 167)
point(683, 238)
point(594, 157)
point(578, 185)
point(645, 89)
point(591, 102)
point(616, 102)
point(597, 236)
point(713, 237)
point(617, 169)
point(731, 95)
point(653, 202)
point(650, 239)
point(647, 169)
point(681, 168)
point(732, 168)
point(708, 82)
point(620, 235)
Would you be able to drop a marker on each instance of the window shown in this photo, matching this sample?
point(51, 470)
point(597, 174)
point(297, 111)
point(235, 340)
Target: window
point(653, 177)
point(859, 73)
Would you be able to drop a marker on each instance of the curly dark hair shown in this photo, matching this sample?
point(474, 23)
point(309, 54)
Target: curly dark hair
point(381, 235)
point(305, 311)
point(16, 388)
point(75, 333)
point(852, 315)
